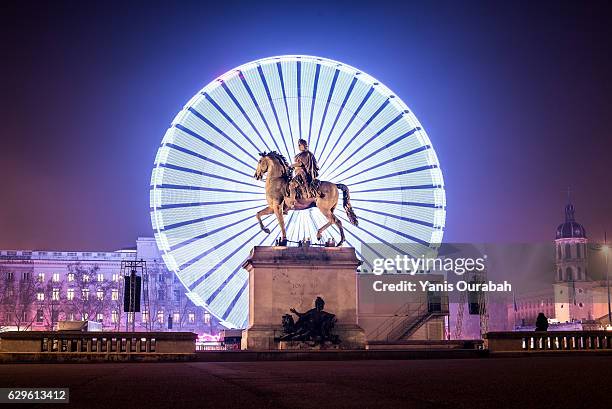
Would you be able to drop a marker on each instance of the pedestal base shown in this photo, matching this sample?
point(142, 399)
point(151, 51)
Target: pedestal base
point(281, 278)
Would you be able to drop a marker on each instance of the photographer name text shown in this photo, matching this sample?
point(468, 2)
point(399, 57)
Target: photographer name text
point(445, 286)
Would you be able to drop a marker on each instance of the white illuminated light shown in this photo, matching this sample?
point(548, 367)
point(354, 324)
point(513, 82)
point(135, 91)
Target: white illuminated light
point(204, 197)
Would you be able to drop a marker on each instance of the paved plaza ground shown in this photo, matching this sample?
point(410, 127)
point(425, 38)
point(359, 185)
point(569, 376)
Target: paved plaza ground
point(547, 382)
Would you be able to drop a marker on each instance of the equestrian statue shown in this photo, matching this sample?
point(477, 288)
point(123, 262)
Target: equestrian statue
point(285, 192)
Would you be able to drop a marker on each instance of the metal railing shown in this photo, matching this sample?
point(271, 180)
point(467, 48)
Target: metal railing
point(77, 342)
point(408, 319)
point(549, 341)
point(141, 344)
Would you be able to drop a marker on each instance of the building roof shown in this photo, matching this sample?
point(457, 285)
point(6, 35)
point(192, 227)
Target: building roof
point(570, 228)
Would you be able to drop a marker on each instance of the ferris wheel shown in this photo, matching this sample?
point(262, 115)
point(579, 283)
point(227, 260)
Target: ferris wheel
point(204, 197)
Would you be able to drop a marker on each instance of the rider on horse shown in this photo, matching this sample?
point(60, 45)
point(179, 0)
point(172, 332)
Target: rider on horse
point(305, 183)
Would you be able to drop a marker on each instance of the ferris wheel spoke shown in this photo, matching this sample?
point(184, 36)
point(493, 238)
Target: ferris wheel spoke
point(398, 232)
point(394, 174)
point(313, 103)
point(196, 204)
point(363, 127)
point(206, 141)
point(232, 305)
point(386, 162)
point(214, 127)
point(244, 114)
point(298, 68)
point(208, 175)
point(379, 136)
point(211, 233)
point(365, 143)
point(208, 189)
point(288, 117)
point(397, 202)
point(203, 219)
point(376, 237)
point(386, 189)
point(256, 105)
point(271, 102)
point(231, 276)
point(230, 120)
point(338, 114)
point(359, 108)
point(395, 216)
point(329, 98)
point(205, 158)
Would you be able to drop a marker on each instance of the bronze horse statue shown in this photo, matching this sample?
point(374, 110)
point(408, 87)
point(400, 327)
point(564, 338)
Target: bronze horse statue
point(279, 174)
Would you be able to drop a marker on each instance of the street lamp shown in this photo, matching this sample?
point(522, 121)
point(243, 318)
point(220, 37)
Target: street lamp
point(606, 250)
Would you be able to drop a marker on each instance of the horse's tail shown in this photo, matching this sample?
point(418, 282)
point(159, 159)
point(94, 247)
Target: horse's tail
point(346, 203)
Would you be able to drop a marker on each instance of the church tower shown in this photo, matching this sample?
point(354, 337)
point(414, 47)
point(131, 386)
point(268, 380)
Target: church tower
point(571, 284)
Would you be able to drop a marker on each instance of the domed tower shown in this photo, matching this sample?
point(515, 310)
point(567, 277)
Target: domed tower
point(571, 279)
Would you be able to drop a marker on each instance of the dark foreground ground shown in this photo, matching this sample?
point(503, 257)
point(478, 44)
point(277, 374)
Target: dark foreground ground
point(546, 382)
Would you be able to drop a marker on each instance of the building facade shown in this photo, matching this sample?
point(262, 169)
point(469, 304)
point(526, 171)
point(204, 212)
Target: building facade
point(38, 289)
point(578, 294)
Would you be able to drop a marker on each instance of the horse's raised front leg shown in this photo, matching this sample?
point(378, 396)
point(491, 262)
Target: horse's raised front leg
point(264, 212)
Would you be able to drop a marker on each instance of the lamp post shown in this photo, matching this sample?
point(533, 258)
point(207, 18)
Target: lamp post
point(606, 249)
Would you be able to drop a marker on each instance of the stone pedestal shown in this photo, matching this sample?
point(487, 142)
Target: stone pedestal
point(281, 278)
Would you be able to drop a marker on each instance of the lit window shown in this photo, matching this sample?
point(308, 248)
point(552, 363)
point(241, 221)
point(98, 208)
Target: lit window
point(191, 318)
point(41, 277)
point(100, 277)
point(86, 277)
point(114, 317)
point(176, 317)
point(55, 295)
point(85, 294)
point(160, 317)
point(145, 316)
point(70, 294)
point(85, 316)
point(100, 294)
point(99, 317)
point(39, 316)
point(115, 294)
point(56, 277)
point(40, 296)
point(71, 316)
point(115, 277)
point(70, 276)
point(206, 318)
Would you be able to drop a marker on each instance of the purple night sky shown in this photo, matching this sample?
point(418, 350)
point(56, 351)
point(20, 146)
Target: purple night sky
point(516, 98)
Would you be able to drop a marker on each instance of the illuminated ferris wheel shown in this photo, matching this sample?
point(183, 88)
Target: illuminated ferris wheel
point(204, 196)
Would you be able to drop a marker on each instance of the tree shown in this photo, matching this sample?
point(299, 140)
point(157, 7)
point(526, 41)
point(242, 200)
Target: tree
point(6, 295)
point(91, 296)
point(25, 297)
point(53, 303)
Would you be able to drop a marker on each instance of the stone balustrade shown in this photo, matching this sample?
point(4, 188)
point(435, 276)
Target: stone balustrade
point(76, 342)
point(532, 341)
